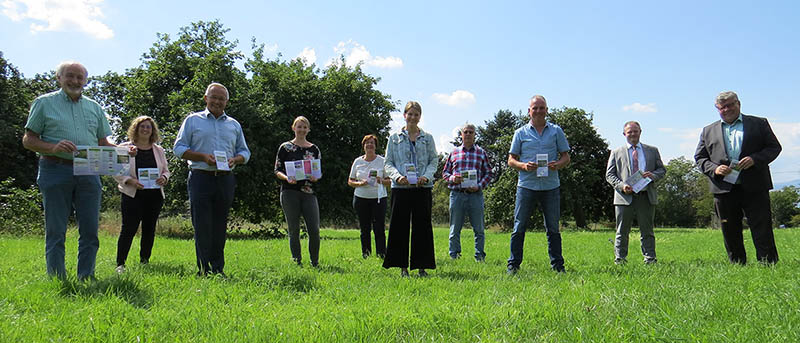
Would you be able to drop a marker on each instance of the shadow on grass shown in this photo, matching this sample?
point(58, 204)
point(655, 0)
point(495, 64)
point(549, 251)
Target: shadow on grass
point(296, 282)
point(122, 288)
point(339, 238)
point(168, 269)
point(326, 268)
point(457, 275)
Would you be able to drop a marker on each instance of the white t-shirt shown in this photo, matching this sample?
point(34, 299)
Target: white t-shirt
point(360, 171)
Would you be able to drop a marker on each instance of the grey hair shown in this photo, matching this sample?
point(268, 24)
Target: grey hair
point(466, 126)
point(725, 96)
point(63, 65)
point(217, 84)
point(631, 122)
point(539, 97)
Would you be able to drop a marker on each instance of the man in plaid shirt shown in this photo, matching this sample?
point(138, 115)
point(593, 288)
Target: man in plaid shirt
point(467, 173)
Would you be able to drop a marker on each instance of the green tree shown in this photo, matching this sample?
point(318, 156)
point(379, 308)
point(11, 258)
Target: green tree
point(683, 196)
point(585, 195)
point(19, 164)
point(784, 205)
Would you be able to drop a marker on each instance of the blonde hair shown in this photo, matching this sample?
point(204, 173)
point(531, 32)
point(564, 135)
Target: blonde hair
point(413, 105)
point(133, 130)
point(302, 119)
point(217, 84)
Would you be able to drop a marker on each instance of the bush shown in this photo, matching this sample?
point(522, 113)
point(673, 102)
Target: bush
point(20, 210)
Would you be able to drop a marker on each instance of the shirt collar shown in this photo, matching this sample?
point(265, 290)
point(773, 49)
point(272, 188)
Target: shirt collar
point(470, 149)
point(738, 120)
point(211, 115)
point(66, 96)
point(638, 145)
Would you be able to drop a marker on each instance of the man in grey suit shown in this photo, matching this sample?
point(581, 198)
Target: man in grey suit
point(623, 163)
point(735, 154)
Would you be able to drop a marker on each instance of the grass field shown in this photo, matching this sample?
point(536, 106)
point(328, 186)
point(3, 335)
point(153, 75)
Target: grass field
point(691, 295)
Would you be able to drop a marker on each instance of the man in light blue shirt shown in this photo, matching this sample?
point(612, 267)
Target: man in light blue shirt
point(211, 189)
point(534, 138)
point(58, 122)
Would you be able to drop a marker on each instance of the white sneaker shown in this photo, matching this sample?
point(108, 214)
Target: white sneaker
point(120, 269)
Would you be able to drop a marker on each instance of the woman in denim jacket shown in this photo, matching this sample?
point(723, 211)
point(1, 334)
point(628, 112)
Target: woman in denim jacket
point(411, 160)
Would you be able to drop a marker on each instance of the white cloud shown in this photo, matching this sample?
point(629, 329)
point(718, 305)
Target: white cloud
point(789, 136)
point(683, 142)
point(638, 107)
point(457, 98)
point(308, 56)
point(355, 53)
point(443, 145)
point(60, 15)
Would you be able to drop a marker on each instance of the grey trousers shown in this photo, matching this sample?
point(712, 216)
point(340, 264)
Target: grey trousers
point(645, 212)
point(294, 204)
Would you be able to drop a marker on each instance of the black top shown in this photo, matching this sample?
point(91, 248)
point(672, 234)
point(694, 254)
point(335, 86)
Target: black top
point(288, 151)
point(145, 159)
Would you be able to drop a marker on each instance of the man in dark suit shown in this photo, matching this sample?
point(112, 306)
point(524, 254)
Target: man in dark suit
point(735, 153)
point(623, 163)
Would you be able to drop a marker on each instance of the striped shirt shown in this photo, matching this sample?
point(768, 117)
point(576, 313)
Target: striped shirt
point(461, 160)
point(55, 117)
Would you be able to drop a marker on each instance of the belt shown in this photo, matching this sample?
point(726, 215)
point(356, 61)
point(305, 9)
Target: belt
point(212, 172)
point(462, 190)
point(57, 159)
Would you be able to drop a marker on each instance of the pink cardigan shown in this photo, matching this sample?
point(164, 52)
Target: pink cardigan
point(161, 163)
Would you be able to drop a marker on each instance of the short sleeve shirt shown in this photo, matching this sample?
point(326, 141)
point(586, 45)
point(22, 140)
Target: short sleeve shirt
point(360, 171)
point(527, 143)
point(55, 117)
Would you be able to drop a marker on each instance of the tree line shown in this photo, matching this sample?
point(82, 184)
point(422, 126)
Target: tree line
point(342, 104)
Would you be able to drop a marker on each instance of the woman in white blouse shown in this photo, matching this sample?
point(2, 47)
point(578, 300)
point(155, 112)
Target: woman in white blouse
point(369, 199)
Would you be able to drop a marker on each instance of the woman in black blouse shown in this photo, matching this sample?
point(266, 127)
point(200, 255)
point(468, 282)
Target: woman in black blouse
point(297, 196)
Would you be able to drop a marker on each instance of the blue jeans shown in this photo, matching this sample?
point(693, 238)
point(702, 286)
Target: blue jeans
point(550, 203)
point(210, 198)
point(61, 193)
point(469, 204)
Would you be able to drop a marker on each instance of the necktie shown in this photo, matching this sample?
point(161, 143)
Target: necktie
point(635, 160)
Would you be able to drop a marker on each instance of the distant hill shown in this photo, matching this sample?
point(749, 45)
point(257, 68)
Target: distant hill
point(780, 185)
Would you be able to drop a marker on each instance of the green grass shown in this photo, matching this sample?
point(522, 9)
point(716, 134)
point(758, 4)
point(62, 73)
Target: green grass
point(691, 295)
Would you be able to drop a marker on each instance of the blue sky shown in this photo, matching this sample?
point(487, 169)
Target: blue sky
point(660, 63)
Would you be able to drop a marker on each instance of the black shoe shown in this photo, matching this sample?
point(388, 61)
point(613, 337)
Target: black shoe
point(559, 269)
point(512, 270)
point(423, 273)
point(365, 255)
point(403, 273)
point(620, 261)
point(456, 256)
point(314, 264)
point(651, 261)
point(381, 256)
point(144, 261)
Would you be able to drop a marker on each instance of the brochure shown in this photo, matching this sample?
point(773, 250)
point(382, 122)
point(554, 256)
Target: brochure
point(734, 175)
point(148, 177)
point(637, 181)
point(541, 165)
point(372, 177)
point(100, 160)
point(469, 178)
point(411, 173)
point(222, 160)
point(316, 168)
point(303, 169)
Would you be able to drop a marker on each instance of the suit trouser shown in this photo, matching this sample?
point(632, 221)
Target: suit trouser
point(755, 206)
point(210, 198)
point(410, 205)
point(645, 213)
